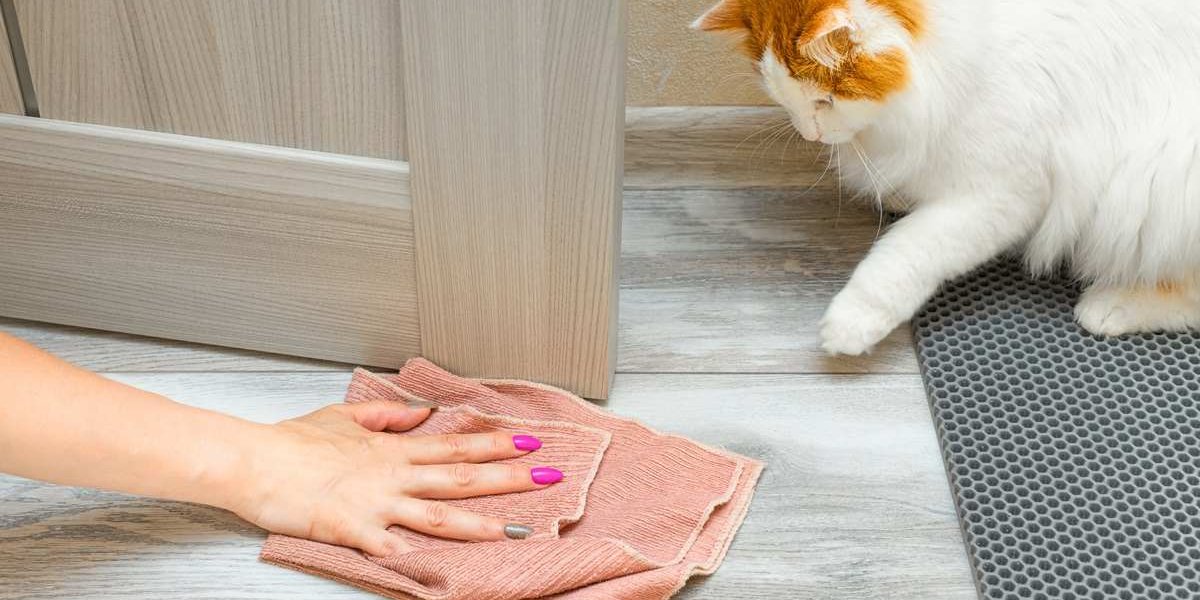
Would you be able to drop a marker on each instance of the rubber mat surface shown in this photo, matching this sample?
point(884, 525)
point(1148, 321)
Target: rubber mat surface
point(1074, 460)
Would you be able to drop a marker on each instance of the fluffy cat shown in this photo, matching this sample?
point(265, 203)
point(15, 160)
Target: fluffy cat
point(1066, 128)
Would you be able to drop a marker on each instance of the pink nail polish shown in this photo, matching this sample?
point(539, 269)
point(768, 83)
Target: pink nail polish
point(527, 443)
point(546, 475)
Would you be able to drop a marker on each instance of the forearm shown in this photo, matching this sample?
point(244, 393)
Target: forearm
point(62, 424)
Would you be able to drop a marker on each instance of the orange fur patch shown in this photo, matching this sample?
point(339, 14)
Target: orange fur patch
point(788, 26)
point(1169, 288)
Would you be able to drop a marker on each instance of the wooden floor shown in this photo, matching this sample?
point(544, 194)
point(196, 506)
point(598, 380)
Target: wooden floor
point(731, 250)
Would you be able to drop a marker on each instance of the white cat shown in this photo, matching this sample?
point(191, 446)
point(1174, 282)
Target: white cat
point(1068, 128)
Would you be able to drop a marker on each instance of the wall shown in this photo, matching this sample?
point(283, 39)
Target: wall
point(672, 65)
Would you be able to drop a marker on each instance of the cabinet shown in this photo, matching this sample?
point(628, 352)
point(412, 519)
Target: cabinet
point(354, 180)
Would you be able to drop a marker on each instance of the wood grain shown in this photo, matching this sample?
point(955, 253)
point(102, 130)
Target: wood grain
point(313, 74)
point(729, 280)
point(724, 280)
point(10, 91)
point(718, 148)
point(233, 244)
point(853, 503)
point(514, 117)
point(736, 281)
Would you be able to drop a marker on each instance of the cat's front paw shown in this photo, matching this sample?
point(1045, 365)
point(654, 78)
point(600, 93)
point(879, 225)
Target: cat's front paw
point(853, 324)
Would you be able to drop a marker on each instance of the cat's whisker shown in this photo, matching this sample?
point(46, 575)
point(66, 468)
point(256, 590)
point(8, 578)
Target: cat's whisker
point(889, 189)
point(872, 172)
point(759, 131)
point(782, 134)
point(728, 76)
point(793, 136)
point(787, 143)
point(767, 131)
point(875, 177)
point(743, 80)
point(837, 220)
point(771, 138)
point(862, 152)
point(828, 152)
point(754, 153)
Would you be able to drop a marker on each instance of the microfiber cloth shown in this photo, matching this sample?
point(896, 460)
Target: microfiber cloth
point(637, 513)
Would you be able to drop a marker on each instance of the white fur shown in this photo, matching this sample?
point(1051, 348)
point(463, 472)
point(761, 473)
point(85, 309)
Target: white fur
point(1066, 128)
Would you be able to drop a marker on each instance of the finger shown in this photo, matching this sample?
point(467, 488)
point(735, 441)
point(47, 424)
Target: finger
point(466, 480)
point(381, 543)
point(443, 520)
point(467, 448)
point(386, 415)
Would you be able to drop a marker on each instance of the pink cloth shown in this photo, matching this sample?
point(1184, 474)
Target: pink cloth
point(637, 514)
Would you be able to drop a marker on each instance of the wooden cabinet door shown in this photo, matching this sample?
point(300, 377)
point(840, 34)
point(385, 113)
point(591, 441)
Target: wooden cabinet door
point(10, 91)
point(355, 180)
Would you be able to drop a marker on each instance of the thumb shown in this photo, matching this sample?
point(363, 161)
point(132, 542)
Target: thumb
point(387, 415)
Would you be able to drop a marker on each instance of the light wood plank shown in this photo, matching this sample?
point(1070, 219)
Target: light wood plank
point(233, 244)
point(737, 281)
point(717, 148)
point(10, 91)
point(515, 114)
point(122, 352)
point(313, 74)
point(853, 504)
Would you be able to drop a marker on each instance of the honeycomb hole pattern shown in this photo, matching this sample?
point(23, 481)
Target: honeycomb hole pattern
point(1074, 460)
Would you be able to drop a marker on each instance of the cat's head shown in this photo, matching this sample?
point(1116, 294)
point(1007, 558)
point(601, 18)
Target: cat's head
point(833, 64)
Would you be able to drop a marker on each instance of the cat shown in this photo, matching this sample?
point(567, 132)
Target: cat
point(1068, 129)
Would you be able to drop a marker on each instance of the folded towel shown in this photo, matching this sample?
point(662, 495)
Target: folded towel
point(637, 513)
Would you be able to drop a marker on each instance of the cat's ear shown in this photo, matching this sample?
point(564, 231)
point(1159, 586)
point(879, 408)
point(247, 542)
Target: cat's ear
point(827, 36)
point(727, 15)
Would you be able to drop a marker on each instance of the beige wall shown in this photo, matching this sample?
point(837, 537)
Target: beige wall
point(671, 65)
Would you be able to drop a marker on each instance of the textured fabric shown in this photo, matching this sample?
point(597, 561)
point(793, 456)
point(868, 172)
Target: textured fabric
point(637, 514)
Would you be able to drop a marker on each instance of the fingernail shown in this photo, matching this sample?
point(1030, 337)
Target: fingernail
point(517, 532)
point(545, 475)
point(419, 404)
point(526, 443)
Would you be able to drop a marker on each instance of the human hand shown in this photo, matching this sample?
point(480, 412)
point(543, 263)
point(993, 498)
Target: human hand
point(336, 476)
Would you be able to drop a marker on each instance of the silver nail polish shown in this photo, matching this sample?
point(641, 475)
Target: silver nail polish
point(420, 404)
point(517, 532)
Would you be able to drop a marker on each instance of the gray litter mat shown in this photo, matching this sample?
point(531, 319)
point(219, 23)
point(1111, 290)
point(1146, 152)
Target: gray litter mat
point(1074, 460)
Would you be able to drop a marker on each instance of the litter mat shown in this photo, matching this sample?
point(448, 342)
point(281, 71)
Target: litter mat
point(1074, 460)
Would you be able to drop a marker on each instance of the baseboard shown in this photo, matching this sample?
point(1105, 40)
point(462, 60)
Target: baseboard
point(227, 243)
point(720, 147)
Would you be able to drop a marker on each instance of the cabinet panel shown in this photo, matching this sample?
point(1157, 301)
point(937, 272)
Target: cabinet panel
point(312, 74)
point(516, 120)
point(226, 243)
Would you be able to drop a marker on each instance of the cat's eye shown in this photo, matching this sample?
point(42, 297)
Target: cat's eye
point(826, 102)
